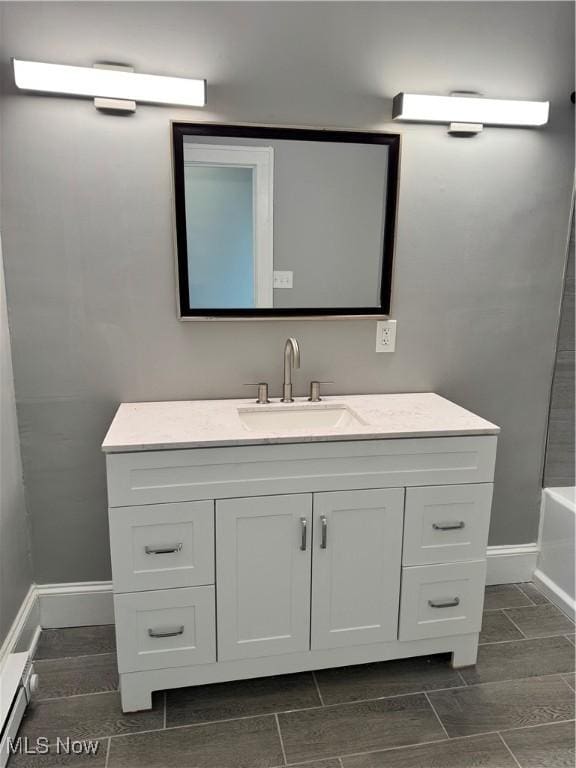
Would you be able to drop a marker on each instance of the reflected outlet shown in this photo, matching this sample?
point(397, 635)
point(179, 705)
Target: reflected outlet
point(385, 335)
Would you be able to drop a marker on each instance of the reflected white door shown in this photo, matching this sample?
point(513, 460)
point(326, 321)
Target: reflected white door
point(229, 225)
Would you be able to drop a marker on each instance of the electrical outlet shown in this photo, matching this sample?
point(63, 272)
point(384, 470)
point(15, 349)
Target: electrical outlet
point(282, 279)
point(385, 335)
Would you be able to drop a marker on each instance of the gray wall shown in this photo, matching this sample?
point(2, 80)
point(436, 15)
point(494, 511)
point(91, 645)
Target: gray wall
point(15, 560)
point(559, 467)
point(86, 204)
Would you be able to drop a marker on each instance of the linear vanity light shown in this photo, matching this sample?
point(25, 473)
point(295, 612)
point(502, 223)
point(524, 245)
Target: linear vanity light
point(471, 110)
point(116, 83)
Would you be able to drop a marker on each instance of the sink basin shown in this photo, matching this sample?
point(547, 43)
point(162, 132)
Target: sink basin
point(288, 418)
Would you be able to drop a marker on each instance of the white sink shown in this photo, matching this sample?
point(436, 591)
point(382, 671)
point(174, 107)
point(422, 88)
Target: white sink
point(286, 418)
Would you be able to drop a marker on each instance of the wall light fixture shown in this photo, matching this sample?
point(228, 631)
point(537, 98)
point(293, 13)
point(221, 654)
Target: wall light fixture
point(109, 82)
point(469, 110)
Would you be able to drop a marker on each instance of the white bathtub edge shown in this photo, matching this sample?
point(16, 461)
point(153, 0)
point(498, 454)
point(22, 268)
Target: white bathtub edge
point(555, 594)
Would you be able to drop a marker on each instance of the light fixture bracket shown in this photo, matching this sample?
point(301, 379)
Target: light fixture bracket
point(465, 129)
point(126, 106)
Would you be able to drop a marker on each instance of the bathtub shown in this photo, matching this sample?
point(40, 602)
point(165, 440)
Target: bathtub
point(555, 574)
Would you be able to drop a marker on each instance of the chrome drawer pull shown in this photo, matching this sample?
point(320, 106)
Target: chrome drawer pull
point(324, 541)
point(168, 632)
point(167, 549)
point(304, 533)
point(448, 526)
point(444, 603)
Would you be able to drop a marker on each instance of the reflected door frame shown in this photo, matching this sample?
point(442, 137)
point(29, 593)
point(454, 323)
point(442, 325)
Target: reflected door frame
point(261, 161)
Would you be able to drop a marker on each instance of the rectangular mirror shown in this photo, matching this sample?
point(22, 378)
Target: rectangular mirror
point(274, 222)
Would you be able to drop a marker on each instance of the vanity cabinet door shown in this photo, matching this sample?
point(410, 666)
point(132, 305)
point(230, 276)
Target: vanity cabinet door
point(263, 562)
point(357, 552)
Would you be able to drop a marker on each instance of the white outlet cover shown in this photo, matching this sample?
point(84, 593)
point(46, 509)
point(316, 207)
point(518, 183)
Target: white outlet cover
point(283, 279)
point(385, 335)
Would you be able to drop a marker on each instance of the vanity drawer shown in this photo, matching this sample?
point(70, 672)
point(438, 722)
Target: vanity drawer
point(446, 523)
point(167, 628)
point(162, 546)
point(440, 600)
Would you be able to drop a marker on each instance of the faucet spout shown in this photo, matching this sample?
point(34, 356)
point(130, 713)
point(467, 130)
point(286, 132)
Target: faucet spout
point(291, 360)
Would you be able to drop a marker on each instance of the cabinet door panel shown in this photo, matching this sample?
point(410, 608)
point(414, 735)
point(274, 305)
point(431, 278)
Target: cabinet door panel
point(356, 567)
point(263, 562)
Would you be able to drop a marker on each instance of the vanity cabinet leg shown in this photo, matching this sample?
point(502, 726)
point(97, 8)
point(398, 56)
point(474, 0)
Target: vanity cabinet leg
point(134, 693)
point(466, 652)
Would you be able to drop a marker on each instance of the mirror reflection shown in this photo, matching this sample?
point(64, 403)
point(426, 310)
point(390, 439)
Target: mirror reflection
point(286, 222)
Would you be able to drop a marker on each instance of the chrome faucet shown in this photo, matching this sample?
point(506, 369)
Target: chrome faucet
point(291, 359)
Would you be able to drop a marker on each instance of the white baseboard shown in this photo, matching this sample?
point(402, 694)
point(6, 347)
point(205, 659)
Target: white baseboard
point(556, 594)
point(510, 565)
point(75, 605)
point(25, 630)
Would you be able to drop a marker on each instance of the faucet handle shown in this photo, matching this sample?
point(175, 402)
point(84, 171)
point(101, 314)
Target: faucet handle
point(315, 390)
point(262, 391)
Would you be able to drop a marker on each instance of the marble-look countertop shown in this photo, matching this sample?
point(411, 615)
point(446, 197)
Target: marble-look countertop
point(211, 423)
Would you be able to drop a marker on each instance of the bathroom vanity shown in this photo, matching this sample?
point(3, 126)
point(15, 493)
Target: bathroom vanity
point(252, 540)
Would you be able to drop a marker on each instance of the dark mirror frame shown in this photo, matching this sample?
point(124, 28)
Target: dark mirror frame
point(391, 140)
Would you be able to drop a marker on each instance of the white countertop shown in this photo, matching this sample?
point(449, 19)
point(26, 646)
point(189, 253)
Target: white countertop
point(211, 423)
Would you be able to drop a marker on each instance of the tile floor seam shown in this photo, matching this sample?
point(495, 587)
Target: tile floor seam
point(427, 743)
point(341, 762)
point(77, 656)
point(507, 608)
point(519, 586)
point(537, 637)
point(192, 725)
point(514, 623)
point(107, 758)
point(512, 755)
point(522, 639)
point(536, 589)
point(279, 730)
point(398, 747)
point(536, 725)
point(318, 688)
point(329, 706)
point(512, 680)
point(461, 676)
point(317, 707)
point(437, 715)
point(566, 681)
point(76, 695)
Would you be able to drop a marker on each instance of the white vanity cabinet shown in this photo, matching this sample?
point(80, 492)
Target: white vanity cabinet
point(248, 560)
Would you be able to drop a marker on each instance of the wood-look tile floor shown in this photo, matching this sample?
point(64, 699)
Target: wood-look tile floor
point(514, 709)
